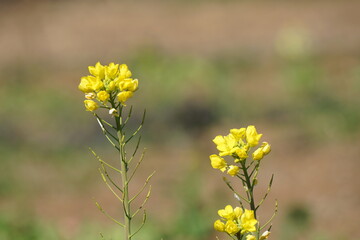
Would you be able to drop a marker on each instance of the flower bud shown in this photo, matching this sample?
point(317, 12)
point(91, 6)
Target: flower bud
point(112, 70)
point(90, 105)
point(231, 228)
point(252, 137)
point(266, 148)
point(233, 170)
point(113, 112)
point(98, 70)
point(250, 237)
point(111, 86)
point(90, 95)
point(241, 153)
point(124, 96)
point(258, 154)
point(219, 226)
point(103, 96)
point(218, 162)
point(129, 84)
point(265, 235)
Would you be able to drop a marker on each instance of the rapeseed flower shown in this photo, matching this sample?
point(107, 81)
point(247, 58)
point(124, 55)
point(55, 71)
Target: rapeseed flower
point(252, 137)
point(111, 82)
point(235, 220)
point(90, 105)
point(248, 222)
point(218, 162)
point(237, 144)
point(219, 226)
point(233, 170)
point(250, 237)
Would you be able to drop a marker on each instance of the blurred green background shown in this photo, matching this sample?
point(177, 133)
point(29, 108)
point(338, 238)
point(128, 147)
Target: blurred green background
point(291, 68)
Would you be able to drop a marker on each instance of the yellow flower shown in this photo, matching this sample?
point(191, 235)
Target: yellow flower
point(250, 237)
point(241, 153)
point(98, 70)
point(90, 84)
point(90, 105)
point(231, 227)
point(112, 70)
point(128, 84)
point(238, 133)
point(233, 170)
point(103, 96)
point(266, 148)
point(227, 213)
point(238, 212)
point(258, 154)
point(218, 162)
point(124, 71)
point(111, 86)
point(248, 222)
point(225, 144)
point(85, 85)
point(261, 151)
point(123, 96)
point(219, 226)
point(252, 137)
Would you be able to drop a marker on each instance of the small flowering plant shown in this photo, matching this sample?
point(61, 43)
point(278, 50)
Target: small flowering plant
point(108, 88)
point(241, 223)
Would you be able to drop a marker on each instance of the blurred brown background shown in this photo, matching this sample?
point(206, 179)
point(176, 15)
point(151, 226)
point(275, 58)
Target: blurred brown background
point(291, 68)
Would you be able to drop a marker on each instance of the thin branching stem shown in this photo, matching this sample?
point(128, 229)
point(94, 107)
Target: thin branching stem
point(108, 185)
point(272, 217)
point(144, 202)
point(142, 224)
point(137, 165)
point(128, 117)
point(143, 187)
point(138, 129)
point(102, 161)
point(110, 179)
point(135, 150)
point(109, 216)
point(267, 192)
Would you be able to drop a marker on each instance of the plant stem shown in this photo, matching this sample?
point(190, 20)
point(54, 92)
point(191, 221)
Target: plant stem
point(249, 187)
point(124, 177)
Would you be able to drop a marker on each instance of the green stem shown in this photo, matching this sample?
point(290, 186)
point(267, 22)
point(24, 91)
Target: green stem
point(124, 177)
point(249, 187)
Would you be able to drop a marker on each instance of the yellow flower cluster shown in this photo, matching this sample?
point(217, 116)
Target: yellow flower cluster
point(235, 220)
point(237, 144)
point(107, 83)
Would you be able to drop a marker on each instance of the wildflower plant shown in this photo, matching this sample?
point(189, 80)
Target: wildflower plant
point(106, 91)
point(244, 155)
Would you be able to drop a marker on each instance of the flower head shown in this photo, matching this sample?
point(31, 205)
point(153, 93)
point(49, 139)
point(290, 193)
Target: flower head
point(219, 226)
point(107, 82)
point(218, 162)
point(252, 137)
point(248, 222)
point(90, 105)
point(231, 227)
point(250, 237)
point(233, 170)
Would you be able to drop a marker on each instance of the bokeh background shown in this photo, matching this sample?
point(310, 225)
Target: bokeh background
point(292, 68)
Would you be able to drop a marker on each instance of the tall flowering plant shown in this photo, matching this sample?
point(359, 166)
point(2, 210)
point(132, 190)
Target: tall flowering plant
point(235, 149)
point(107, 90)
